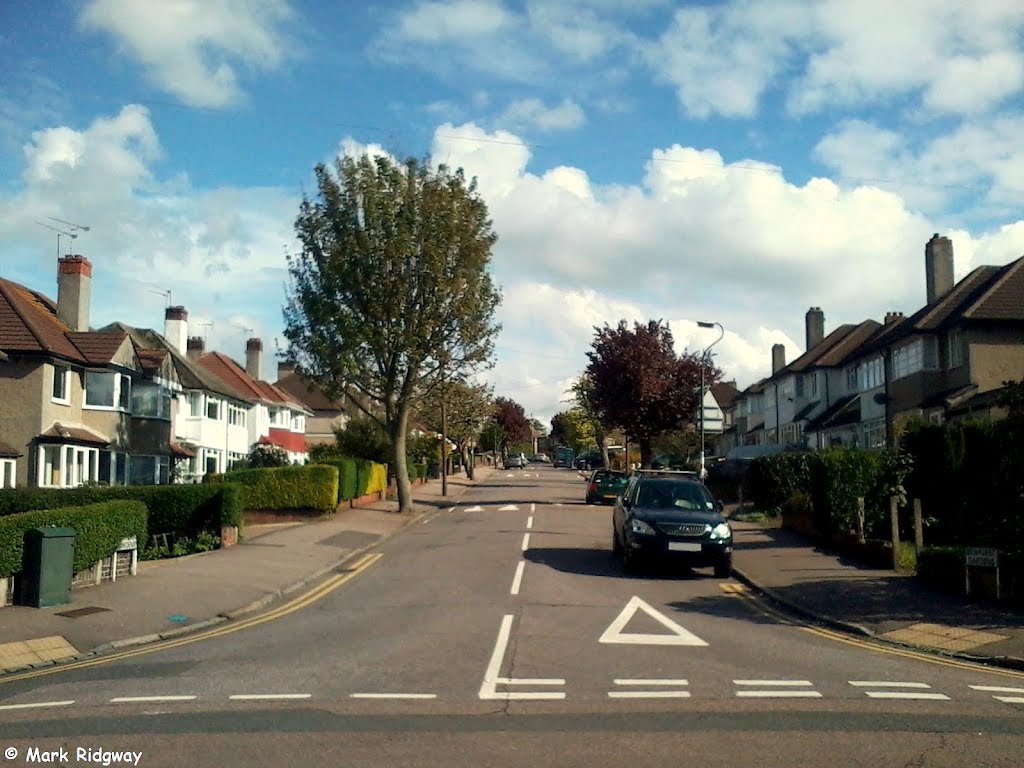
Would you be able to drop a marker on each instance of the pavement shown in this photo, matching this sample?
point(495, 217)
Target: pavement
point(173, 597)
point(895, 608)
point(187, 594)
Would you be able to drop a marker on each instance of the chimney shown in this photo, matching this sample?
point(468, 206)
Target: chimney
point(195, 347)
point(778, 358)
point(892, 317)
point(938, 267)
point(254, 357)
point(74, 288)
point(814, 322)
point(176, 328)
point(284, 368)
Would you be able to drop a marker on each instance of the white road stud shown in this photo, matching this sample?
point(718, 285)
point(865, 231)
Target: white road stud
point(679, 635)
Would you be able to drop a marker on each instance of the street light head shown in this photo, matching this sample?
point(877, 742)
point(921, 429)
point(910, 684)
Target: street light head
point(701, 324)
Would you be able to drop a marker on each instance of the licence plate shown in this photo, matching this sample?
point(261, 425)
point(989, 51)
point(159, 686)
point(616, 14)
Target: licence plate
point(683, 546)
point(611, 497)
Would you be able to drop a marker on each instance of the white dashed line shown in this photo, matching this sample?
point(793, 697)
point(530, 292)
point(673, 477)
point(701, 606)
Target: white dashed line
point(885, 684)
point(906, 695)
point(517, 580)
point(897, 694)
point(776, 689)
point(488, 689)
point(655, 681)
point(269, 696)
point(778, 694)
point(1018, 698)
point(150, 699)
point(533, 508)
point(648, 694)
point(529, 522)
point(393, 696)
point(39, 705)
point(795, 683)
point(526, 541)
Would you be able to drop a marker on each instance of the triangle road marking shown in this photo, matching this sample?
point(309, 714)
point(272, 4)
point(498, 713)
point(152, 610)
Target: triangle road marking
point(509, 508)
point(474, 509)
point(679, 636)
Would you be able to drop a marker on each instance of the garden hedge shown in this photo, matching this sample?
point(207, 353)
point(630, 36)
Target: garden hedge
point(313, 486)
point(184, 509)
point(99, 528)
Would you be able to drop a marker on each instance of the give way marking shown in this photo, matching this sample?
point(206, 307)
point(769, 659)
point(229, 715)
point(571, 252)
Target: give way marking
point(489, 687)
point(679, 635)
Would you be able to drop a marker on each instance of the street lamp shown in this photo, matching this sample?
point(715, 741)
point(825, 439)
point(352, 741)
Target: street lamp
point(703, 366)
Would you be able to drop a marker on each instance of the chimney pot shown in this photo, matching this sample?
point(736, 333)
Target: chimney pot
point(176, 328)
point(778, 358)
point(74, 290)
point(254, 357)
point(175, 313)
point(814, 325)
point(195, 347)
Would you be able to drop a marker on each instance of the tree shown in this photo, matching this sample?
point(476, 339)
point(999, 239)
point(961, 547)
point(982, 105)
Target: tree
point(583, 393)
point(560, 428)
point(641, 385)
point(391, 284)
point(263, 456)
point(468, 407)
point(511, 423)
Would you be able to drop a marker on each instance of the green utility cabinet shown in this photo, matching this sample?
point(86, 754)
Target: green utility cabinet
point(48, 566)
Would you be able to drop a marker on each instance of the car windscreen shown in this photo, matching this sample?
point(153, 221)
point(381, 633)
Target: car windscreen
point(611, 477)
point(673, 495)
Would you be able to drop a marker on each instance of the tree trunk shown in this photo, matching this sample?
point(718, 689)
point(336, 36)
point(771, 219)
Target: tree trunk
point(645, 453)
point(602, 441)
point(398, 431)
point(467, 462)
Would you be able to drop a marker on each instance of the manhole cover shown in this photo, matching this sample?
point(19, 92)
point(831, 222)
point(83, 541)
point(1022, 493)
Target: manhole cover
point(83, 611)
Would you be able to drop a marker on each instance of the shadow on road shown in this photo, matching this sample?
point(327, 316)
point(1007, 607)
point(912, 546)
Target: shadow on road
point(602, 562)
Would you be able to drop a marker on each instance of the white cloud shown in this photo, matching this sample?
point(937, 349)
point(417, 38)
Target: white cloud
point(453, 20)
point(532, 113)
point(193, 49)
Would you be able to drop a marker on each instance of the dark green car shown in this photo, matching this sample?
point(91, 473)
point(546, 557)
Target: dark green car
point(605, 485)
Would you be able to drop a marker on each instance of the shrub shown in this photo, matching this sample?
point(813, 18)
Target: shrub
point(839, 477)
point(313, 486)
point(263, 456)
point(942, 567)
point(774, 479)
point(99, 528)
point(378, 478)
point(187, 509)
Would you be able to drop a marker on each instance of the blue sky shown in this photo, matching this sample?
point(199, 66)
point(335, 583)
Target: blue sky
point(728, 161)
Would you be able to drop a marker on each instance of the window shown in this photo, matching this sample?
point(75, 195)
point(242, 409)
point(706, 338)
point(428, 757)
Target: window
point(149, 470)
point(151, 401)
point(195, 404)
point(799, 386)
point(62, 384)
point(113, 468)
point(7, 467)
point(874, 434)
point(814, 383)
point(107, 390)
point(871, 374)
point(908, 359)
point(67, 466)
point(236, 416)
point(211, 461)
point(956, 349)
point(213, 408)
point(234, 458)
point(851, 379)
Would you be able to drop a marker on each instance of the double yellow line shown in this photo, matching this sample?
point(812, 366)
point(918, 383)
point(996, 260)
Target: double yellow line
point(302, 601)
point(741, 591)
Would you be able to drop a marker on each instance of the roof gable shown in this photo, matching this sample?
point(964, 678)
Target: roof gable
point(1004, 298)
point(308, 393)
point(231, 373)
point(29, 323)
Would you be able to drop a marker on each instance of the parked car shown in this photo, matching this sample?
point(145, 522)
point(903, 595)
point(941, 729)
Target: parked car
point(605, 485)
point(563, 457)
point(665, 514)
point(540, 458)
point(515, 460)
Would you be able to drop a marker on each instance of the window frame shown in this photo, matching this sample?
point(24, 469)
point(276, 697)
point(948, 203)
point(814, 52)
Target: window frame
point(61, 373)
point(8, 467)
point(216, 403)
point(122, 388)
point(956, 350)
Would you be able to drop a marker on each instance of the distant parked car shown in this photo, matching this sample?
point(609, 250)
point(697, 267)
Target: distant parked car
point(515, 460)
point(540, 458)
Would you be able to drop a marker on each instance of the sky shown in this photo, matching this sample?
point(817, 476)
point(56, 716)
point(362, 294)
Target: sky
point(727, 162)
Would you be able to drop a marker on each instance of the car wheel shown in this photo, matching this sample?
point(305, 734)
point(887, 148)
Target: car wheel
point(723, 568)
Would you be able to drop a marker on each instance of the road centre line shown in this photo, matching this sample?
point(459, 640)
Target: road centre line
point(269, 696)
point(906, 695)
point(655, 681)
point(648, 694)
point(884, 684)
point(533, 507)
point(526, 541)
point(302, 601)
point(150, 699)
point(529, 522)
point(517, 580)
point(778, 694)
point(40, 705)
point(393, 696)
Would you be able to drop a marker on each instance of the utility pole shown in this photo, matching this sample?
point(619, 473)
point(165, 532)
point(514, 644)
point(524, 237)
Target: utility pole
point(703, 367)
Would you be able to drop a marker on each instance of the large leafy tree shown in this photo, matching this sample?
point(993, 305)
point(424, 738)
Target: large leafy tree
point(583, 394)
point(467, 409)
point(391, 286)
point(641, 385)
point(510, 423)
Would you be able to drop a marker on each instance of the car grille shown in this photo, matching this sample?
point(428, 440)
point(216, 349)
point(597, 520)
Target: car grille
point(685, 529)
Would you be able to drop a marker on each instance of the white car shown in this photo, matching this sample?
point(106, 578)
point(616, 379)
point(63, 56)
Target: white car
point(515, 460)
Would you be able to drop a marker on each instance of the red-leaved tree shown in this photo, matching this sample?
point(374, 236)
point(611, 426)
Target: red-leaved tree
point(641, 385)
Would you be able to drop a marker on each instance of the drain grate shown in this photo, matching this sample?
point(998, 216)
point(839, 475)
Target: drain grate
point(87, 611)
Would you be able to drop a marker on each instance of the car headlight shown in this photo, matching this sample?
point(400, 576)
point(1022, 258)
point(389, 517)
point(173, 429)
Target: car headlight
point(721, 531)
point(639, 526)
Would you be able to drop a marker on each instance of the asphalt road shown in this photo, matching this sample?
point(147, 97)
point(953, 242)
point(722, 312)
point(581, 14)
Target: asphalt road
point(503, 632)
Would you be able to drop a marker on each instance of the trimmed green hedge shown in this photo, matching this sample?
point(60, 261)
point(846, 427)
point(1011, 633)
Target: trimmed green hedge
point(185, 509)
point(313, 486)
point(99, 528)
point(347, 476)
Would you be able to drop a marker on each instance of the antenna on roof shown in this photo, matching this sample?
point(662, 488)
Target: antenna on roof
point(74, 227)
point(60, 233)
point(166, 294)
point(206, 330)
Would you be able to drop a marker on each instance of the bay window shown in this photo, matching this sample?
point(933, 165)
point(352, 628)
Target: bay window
point(151, 401)
point(67, 466)
point(149, 470)
point(871, 374)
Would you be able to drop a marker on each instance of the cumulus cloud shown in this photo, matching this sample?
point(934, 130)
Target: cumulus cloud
point(219, 251)
point(532, 113)
point(194, 50)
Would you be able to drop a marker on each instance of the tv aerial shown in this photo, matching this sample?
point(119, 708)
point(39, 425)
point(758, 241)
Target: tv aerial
point(69, 230)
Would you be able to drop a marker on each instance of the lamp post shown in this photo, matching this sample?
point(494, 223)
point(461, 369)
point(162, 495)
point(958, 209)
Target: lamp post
point(703, 366)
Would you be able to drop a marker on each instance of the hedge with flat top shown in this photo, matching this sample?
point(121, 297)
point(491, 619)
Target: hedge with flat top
point(313, 486)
